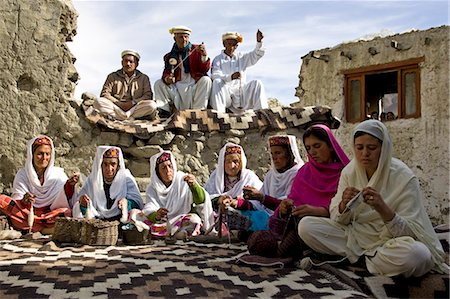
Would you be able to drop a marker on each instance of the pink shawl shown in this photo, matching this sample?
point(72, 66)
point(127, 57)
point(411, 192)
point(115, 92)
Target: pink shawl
point(316, 184)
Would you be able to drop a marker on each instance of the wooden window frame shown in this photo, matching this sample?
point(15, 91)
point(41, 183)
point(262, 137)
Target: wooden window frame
point(401, 67)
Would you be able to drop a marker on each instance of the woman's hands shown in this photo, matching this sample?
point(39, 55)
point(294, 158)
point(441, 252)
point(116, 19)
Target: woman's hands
point(252, 193)
point(28, 198)
point(161, 213)
point(374, 199)
point(347, 195)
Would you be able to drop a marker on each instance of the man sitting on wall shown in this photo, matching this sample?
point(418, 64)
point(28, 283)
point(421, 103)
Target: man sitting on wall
point(127, 93)
point(184, 83)
point(230, 89)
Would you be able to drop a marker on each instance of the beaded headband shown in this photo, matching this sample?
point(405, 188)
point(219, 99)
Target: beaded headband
point(232, 150)
point(163, 158)
point(279, 140)
point(41, 140)
point(112, 153)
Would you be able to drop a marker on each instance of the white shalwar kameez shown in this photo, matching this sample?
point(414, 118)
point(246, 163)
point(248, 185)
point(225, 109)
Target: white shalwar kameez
point(237, 95)
point(406, 245)
point(184, 94)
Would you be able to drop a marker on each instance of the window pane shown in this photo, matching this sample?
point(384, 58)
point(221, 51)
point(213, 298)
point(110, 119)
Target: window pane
point(355, 103)
point(410, 93)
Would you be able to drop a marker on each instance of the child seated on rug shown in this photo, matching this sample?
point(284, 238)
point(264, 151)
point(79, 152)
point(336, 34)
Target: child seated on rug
point(227, 182)
point(110, 189)
point(312, 189)
point(176, 204)
point(41, 191)
point(387, 224)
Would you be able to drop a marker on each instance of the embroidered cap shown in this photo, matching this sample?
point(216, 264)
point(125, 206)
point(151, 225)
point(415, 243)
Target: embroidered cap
point(130, 52)
point(279, 140)
point(233, 35)
point(163, 158)
point(41, 140)
point(180, 29)
point(232, 150)
point(112, 153)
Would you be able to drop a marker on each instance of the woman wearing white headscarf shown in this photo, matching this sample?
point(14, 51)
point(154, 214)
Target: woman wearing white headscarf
point(387, 223)
point(176, 203)
point(286, 162)
point(226, 186)
point(231, 173)
point(108, 188)
point(40, 188)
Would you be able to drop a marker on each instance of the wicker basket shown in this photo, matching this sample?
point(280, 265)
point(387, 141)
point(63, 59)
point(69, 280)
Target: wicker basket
point(67, 230)
point(4, 225)
point(99, 232)
point(88, 232)
point(134, 237)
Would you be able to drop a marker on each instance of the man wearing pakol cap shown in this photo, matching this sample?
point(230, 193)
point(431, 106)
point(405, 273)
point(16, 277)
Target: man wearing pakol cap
point(230, 88)
point(127, 93)
point(184, 83)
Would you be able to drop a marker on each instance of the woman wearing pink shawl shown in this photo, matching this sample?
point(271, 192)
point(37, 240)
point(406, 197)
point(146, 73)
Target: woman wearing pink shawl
point(313, 187)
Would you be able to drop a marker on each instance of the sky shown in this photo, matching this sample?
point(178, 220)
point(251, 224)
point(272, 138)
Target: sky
point(291, 29)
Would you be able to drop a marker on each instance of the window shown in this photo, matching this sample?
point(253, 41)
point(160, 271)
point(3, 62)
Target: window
point(385, 92)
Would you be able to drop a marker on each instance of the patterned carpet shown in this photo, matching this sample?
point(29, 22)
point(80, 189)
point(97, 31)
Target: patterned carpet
point(40, 269)
point(264, 120)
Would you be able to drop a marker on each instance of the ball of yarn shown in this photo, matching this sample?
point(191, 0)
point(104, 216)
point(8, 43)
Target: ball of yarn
point(305, 263)
point(262, 243)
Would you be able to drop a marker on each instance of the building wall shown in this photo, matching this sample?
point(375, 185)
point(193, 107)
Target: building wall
point(422, 143)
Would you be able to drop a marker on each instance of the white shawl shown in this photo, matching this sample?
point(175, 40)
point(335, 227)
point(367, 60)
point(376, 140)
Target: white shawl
point(216, 182)
point(123, 186)
point(278, 184)
point(399, 188)
point(51, 193)
point(176, 198)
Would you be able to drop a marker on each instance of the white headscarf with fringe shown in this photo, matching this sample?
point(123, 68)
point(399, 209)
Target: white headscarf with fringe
point(51, 193)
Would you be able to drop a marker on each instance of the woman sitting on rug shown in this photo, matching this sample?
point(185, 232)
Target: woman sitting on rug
point(311, 192)
point(110, 190)
point(386, 223)
point(227, 182)
point(286, 161)
point(176, 204)
point(40, 188)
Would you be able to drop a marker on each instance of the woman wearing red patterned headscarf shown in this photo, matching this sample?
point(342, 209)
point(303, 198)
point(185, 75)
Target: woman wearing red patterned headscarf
point(39, 188)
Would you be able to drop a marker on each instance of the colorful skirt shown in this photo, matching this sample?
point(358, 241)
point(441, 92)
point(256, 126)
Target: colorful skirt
point(18, 213)
point(189, 223)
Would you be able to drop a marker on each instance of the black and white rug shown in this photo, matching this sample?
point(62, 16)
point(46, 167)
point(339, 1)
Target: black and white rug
point(40, 269)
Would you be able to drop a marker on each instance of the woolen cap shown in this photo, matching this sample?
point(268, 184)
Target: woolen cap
point(130, 52)
point(233, 35)
point(180, 29)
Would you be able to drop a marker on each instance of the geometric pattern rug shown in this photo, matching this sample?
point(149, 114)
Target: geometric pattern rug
point(40, 269)
point(207, 120)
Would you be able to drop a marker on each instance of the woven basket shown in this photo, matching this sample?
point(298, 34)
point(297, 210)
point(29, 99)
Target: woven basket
point(67, 230)
point(4, 225)
point(99, 232)
point(88, 232)
point(134, 237)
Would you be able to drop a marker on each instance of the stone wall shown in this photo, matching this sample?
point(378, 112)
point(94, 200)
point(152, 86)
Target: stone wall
point(422, 143)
